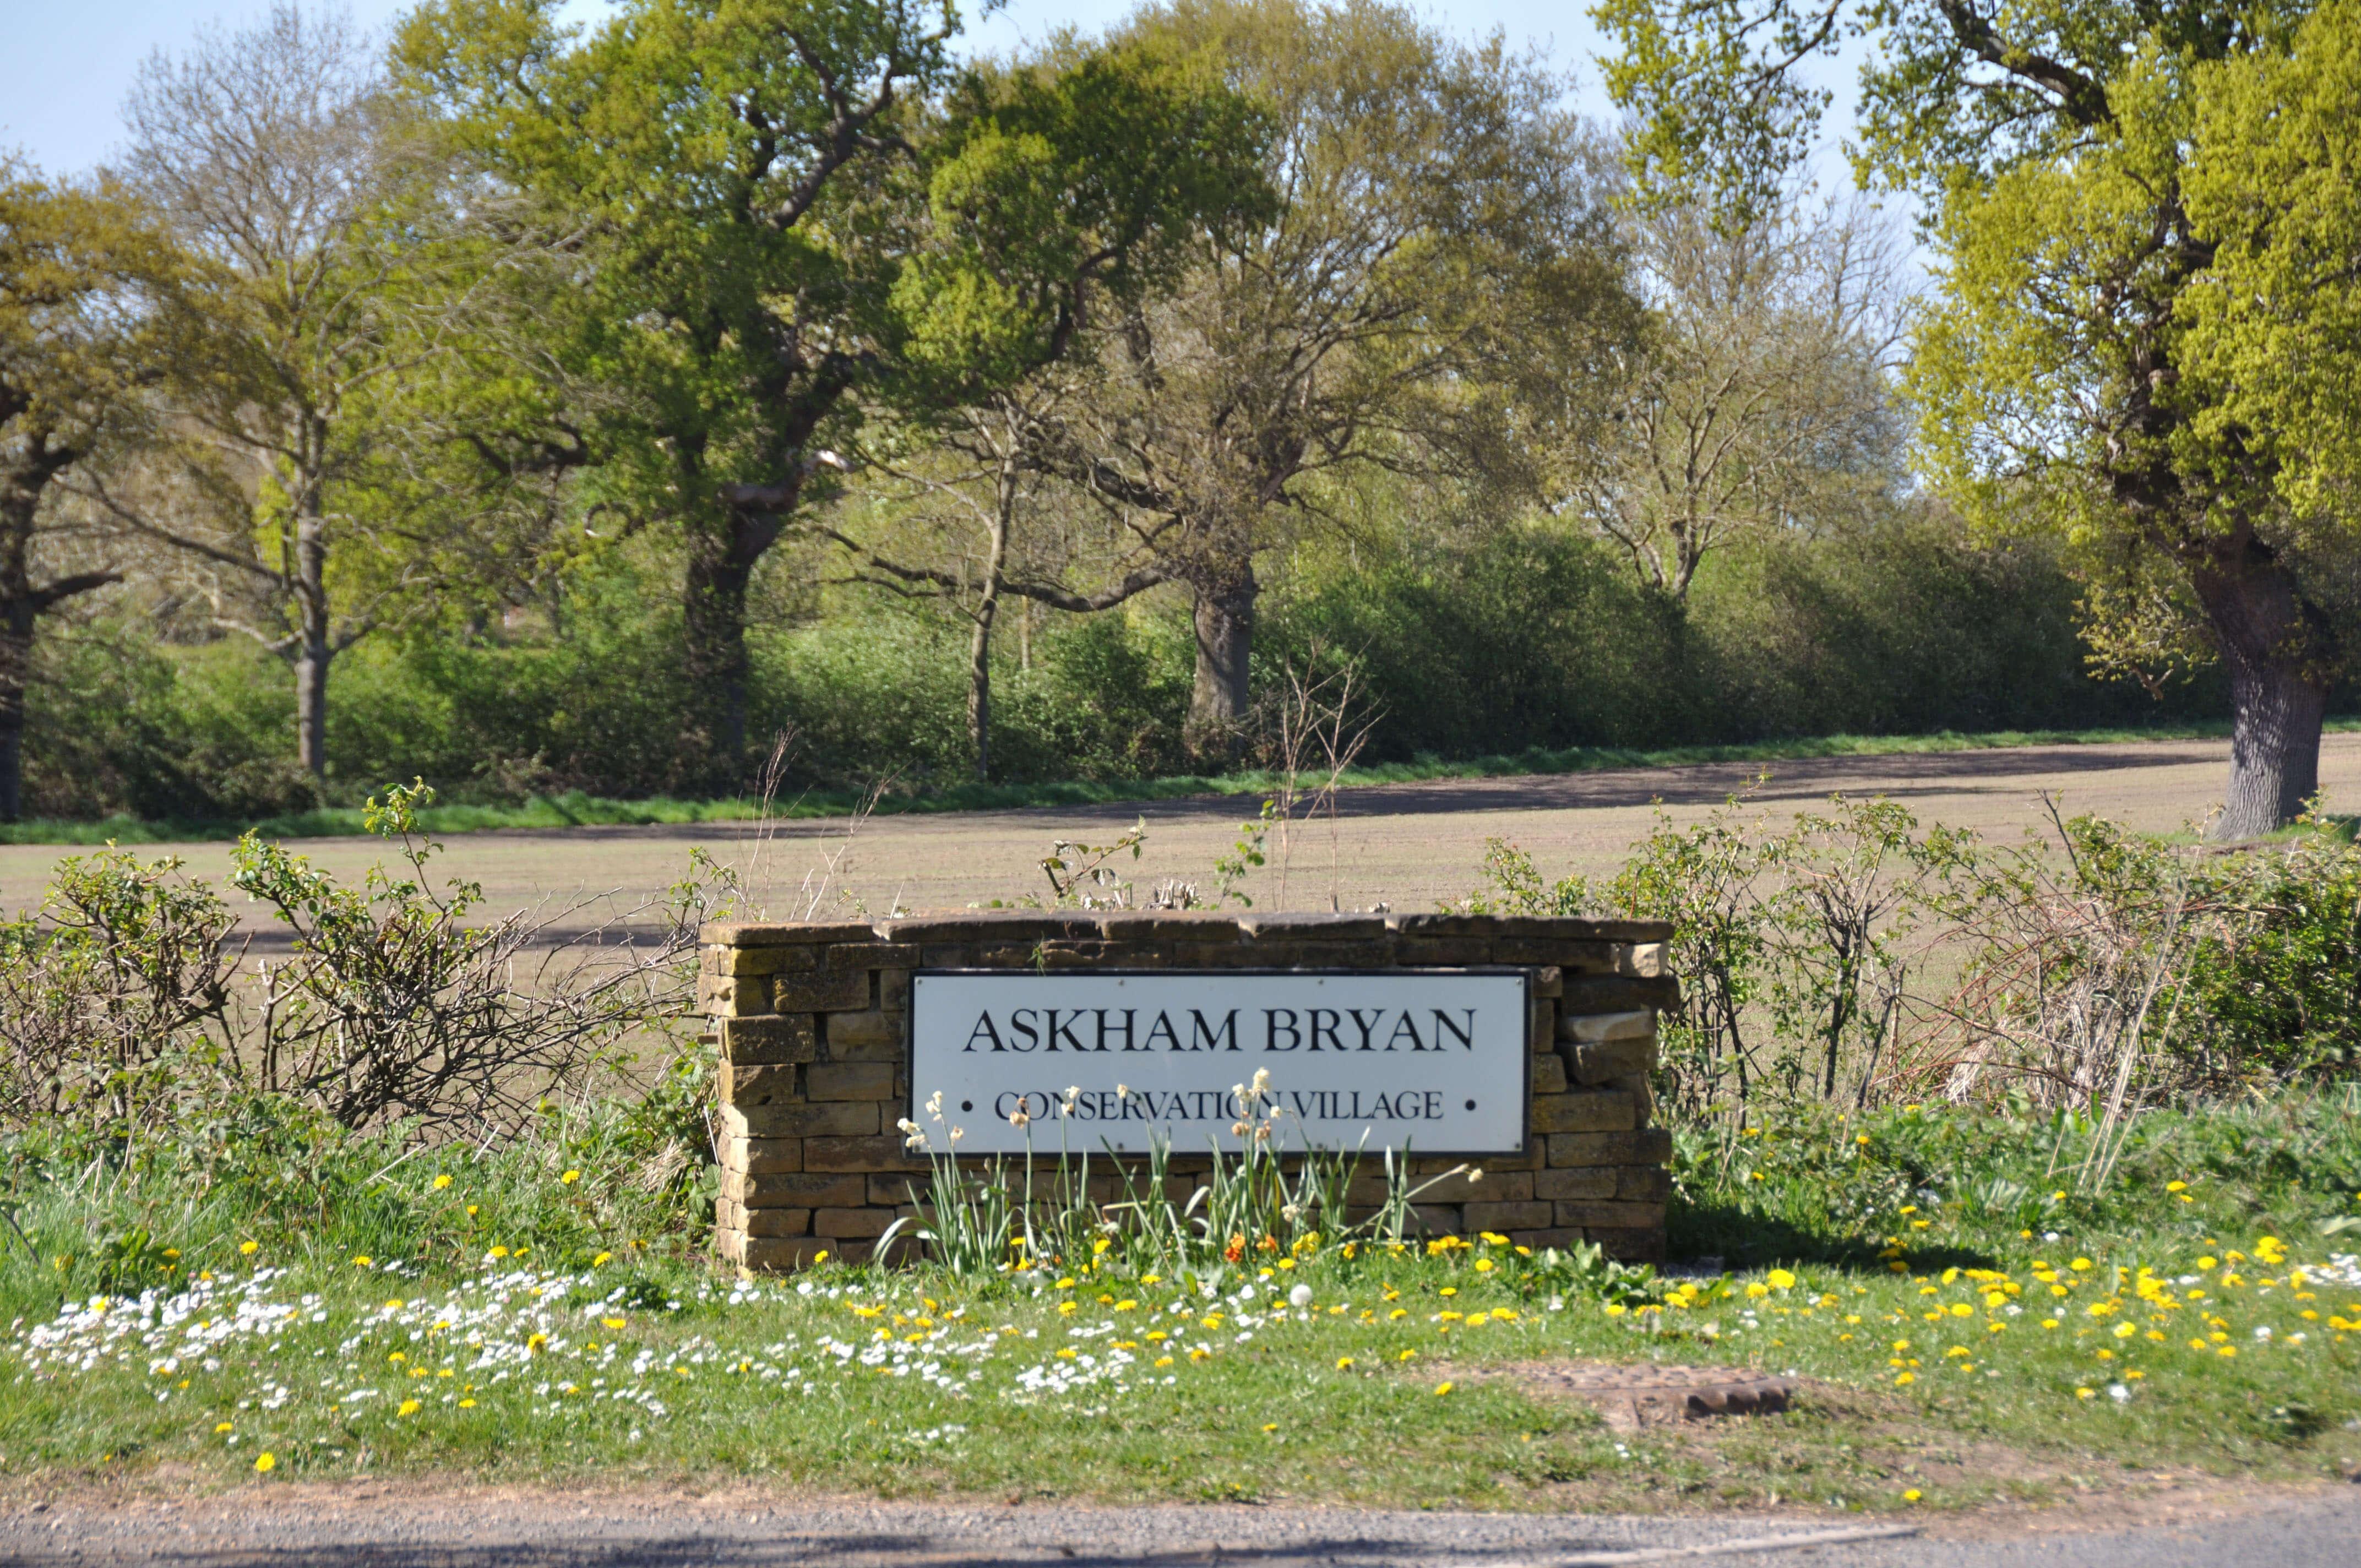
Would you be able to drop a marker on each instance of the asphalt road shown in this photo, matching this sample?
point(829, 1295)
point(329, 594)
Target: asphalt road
point(412, 1525)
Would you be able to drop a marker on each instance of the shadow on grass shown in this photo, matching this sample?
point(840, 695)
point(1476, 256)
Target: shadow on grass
point(1744, 1239)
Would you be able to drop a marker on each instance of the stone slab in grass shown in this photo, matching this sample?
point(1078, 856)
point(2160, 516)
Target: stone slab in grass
point(1634, 1395)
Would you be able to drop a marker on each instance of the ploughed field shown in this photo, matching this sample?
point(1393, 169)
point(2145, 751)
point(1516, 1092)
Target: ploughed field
point(1405, 845)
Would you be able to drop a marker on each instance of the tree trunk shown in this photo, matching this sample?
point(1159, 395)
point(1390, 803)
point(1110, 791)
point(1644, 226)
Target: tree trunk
point(715, 623)
point(312, 650)
point(1217, 702)
point(2274, 645)
point(312, 656)
point(988, 611)
point(16, 674)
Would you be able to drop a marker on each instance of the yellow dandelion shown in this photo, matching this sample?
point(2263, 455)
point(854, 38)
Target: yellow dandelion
point(223, 1430)
point(1441, 1388)
point(1344, 1363)
point(407, 1407)
point(466, 1404)
point(570, 1178)
point(266, 1462)
point(441, 1182)
point(247, 1249)
point(1913, 1494)
point(602, 1257)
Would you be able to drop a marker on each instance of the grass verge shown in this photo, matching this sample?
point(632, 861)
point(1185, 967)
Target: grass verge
point(578, 810)
point(1971, 1325)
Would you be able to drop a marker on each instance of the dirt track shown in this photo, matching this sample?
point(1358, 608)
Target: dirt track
point(1405, 845)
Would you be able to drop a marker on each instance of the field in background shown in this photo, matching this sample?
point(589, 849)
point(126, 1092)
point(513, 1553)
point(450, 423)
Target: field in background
point(1406, 845)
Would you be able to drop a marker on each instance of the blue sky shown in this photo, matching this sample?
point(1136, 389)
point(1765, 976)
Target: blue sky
point(66, 65)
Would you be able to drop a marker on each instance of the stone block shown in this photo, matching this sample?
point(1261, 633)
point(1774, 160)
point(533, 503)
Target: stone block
point(1168, 926)
point(893, 989)
point(777, 1222)
point(743, 1084)
point(842, 958)
point(1645, 1146)
point(762, 1157)
point(759, 961)
point(1504, 1216)
point(1560, 1236)
point(1441, 952)
point(884, 1153)
point(846, 1224)
point(1595, 1110)
point(1642, 960)
point(838, 1119)
point(1576, 958)
point(893, 1191)
point(1549, 1077)
point(1616, 993)
point(1643, 1184)
point(781, 933)
point(1501, 1185)
point(1580, 1183)
point(1619, 1215)
point(1591, 1064)
point(1549, 980)
point(1642, 1088)
point(770, 1041)
point(1541, 1026)
point(850, 1080)
point(733, 997)
point(1308, 926)
point(869, 1026)
point(804, 1190)
point(1591, 1029)
point(997, 927)
point(820, 991)
point(1435, 1219)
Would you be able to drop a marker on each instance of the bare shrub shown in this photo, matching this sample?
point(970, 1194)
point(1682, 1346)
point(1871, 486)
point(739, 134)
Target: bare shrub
point(124, 1001)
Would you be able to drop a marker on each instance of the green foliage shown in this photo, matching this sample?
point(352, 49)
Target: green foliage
point(1262, 1202)
point(1858, 958)
point(2274, 330)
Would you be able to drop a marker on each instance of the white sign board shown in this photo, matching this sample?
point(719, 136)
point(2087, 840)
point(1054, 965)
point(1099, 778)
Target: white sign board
point(1432, 1061)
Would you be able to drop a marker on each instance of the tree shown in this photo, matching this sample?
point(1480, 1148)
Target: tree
point(2052, 143)
point(1062, 193)
point(77, 266)
point(310, 282)
point(1757, 397)
point(1435, 224)
point(732, 177)
point(2274, 332)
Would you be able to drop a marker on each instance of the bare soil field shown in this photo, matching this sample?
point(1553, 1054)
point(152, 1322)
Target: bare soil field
point(1406, 846)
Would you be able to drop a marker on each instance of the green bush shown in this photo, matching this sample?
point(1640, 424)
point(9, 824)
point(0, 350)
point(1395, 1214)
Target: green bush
point(1483, 642)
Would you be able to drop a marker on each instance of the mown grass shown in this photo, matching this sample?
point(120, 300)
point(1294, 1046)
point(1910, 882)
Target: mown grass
point(579, 810)
point(1859, 1266)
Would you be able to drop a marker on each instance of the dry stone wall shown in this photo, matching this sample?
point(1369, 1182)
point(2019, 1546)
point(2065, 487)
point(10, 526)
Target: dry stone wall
point(811, 1020)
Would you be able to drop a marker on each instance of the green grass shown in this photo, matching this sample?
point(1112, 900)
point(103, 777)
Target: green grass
point(1938, 1226)
point(578, 810)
